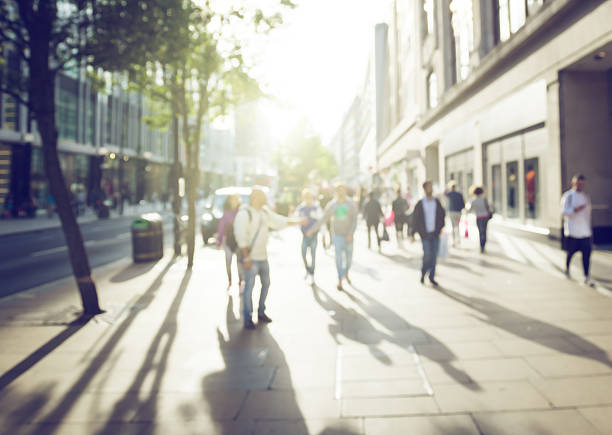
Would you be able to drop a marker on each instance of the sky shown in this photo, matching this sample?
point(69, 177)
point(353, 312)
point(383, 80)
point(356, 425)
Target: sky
point(315, 63)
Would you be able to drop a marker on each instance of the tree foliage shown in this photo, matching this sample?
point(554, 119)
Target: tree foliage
point(302, 159)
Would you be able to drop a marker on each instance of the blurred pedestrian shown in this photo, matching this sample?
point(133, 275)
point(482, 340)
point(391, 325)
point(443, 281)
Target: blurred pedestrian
point(342, 212)
point(251, 231)
point(311, 212)
point(324, 198)
point(455, 205)
point(372, 213)
point(480, 207)
point(577, 227)
point(400, 208)
point(226, 238)
point(428, 221)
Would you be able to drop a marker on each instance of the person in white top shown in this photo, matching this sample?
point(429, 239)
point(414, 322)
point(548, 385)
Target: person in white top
point(576, 212)
point(251, 232)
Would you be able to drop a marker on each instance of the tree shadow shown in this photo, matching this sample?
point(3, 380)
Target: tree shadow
point(244, 354)
point(70, 398)
point(435, 350)
point(528, 328)
point(152, 369)
point(44, 350)
point(132, 271)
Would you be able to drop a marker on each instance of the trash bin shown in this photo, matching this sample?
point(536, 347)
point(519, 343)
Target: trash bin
point(147, 237)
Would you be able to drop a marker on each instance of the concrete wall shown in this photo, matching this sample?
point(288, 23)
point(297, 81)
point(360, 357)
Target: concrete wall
point(586, 138)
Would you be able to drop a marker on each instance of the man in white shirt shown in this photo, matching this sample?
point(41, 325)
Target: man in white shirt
point(251, 232)
point(576, 211)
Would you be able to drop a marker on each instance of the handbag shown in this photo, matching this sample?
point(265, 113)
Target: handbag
point(385, 235)
point(443, 245)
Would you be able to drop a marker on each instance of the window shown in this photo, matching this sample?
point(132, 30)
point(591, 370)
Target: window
point(512, 15)
point(91, 121)
point(463, 32)
point(532, 189)
point(533, 6)
point(428, 7)
point(432, 90)
point(109, 121)
point(66, 114)
point(512, 186)
point(496, 187)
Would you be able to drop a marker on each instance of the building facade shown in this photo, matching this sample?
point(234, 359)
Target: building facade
point(512, 94)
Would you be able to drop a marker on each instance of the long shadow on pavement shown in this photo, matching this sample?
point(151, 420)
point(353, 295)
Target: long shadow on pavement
point(70, 398)
point(443, 355)
point(44, 350)
point(529, 328)
point(245, 374)
point(152, 369)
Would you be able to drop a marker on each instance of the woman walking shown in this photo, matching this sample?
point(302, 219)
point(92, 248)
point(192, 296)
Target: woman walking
point(480, 207)
point(225, 236)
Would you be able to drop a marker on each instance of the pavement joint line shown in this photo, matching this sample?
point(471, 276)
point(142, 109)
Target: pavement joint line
point(338, 389)
point(420, 370)
point(49, 251)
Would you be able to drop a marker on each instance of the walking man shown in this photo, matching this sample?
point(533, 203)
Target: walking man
point(372, 212)
point(428, 221)
point(310, 211)
point(576, 211)
point(251, 232)
point(455, 205)
point(343, 213)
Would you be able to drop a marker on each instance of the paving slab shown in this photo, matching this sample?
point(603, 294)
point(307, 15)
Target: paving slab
point(557, 422)
point(430, 425)
point(600, 417)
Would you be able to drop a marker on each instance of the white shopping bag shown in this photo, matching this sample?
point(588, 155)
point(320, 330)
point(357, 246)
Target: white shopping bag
point(443, 245)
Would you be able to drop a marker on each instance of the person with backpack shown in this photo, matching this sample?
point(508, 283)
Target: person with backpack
point(311, 211)
point(226, 238)
point(251, 232)
point(343, 213)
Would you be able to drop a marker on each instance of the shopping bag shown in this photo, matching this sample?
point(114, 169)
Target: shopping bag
point(390, 219)
point(465, 222)
point(443, 246)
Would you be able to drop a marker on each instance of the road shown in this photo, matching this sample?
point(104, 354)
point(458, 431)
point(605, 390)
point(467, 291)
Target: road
point(31, 259)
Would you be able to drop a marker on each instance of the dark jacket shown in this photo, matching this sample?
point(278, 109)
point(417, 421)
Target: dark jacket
point(455, 201)
point(418, 219)
point(372, 212)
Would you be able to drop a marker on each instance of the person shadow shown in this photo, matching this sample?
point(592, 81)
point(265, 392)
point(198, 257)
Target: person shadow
point(529, 328)
point(244, 377)
point(435, 351)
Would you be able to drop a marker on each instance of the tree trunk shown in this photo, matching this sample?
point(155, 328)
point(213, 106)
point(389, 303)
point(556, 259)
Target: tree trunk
point(191, 213)
point(42, 100)
point(176, 200)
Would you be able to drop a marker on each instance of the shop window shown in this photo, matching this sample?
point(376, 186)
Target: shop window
point(532, 189)
point(432, 90)
point(11, 114)
point(469, 182)
point(512, 187)
point(109, 121)
point(496, 187)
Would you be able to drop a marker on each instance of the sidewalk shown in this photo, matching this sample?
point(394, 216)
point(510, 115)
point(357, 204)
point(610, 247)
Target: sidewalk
point(501, 347)
point(42, 222)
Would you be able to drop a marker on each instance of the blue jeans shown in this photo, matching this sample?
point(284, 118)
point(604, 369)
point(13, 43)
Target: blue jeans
point(431, 244)
point(309, 243)
point(261, 268)
point(344, 255)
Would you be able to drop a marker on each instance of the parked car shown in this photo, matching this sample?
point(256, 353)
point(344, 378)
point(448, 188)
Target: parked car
point(210, 218)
